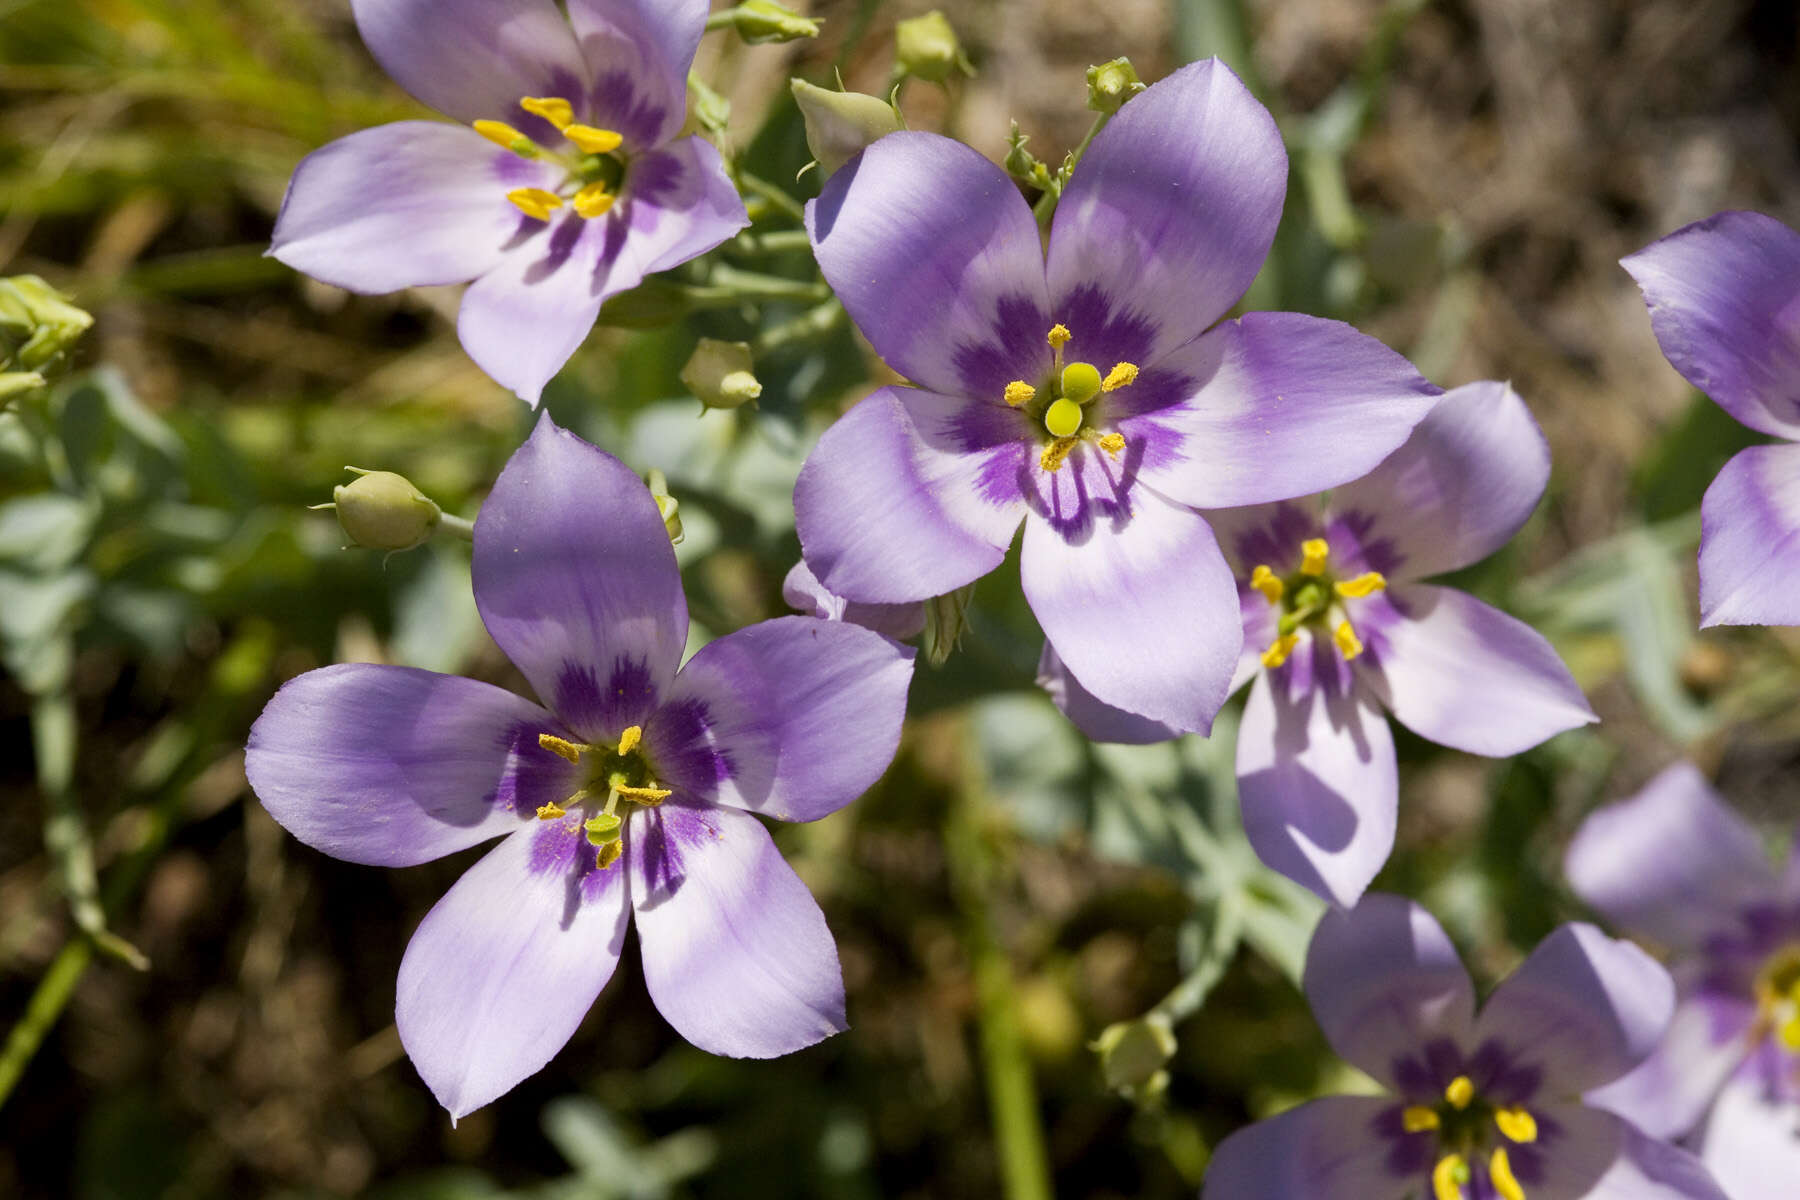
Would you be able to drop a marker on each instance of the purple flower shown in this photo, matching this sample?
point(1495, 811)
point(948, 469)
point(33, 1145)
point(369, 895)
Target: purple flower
point(565, 185)
point(1484, 1107)
point(631, 792)
point(1674, 865)
point(1337, 628)
point(802, 590)
point(1724, 297)
point(1085, 390)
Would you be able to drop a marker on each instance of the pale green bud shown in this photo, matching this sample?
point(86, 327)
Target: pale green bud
point(667, 505)
point(946, 620)
point(766, 21)
point(707, 109)
point(926, 48)
point(722, 374)
point(840, 124)
point(1020, 163)
point(38, 325)
point(380, 510)
point(1133, 1053)
point(1111, 84)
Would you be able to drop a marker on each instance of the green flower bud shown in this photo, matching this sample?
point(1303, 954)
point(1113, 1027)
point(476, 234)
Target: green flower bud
point(1111, 84)
point(1020, 163)
point(927, 49)
point(766, 21)
point(667, 505)
point(840, 124)
point(38, 325)
point(1133, 1053)
point(946, 620)
point(722, 374)
point(707, 109)
point(380, 510)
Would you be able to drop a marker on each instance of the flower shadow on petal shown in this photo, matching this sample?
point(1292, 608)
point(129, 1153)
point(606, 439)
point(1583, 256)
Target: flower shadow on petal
point(561, 846)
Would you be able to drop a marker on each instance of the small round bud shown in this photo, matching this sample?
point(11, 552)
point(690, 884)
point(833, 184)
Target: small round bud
point(722, 374)
point(380, 510)
point(1133, 1053)
point(760, 21)
point(1111, 84)
point(840, 124)
point(926, 48)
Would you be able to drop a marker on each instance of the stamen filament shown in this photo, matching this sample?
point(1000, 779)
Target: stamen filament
point(1122, 375)
point(1365, 584)
point(554, 109)
point(535, 202)
point(592, 139)
point(1349, 645)
point(1416, 1118)
point(1265, 581)
point(556, 745)
point(1500, 1174)
point(1058, 337)
point(1517, 1124)
point(1313, 553)
point(1019, 392)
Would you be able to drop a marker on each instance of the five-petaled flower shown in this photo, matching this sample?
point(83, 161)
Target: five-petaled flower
point(1724, 298)
point(1337, 628)
point(1085, 389)
point(1485, 1107)
point(566, 184)
point(1677, 867)
point(631, 792)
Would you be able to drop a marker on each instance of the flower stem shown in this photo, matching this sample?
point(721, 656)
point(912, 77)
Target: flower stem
point(773, 193)
point(46, 1005)
point(814, 323)
point(780, 241)
point(457, 527)
point(1045, 208)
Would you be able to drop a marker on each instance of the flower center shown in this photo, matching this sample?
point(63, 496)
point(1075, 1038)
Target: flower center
point(594, 173)
point(1464, 1123)
point(1066, 402)
point(1313, 596)
point(1778, 996)
point(618, 773)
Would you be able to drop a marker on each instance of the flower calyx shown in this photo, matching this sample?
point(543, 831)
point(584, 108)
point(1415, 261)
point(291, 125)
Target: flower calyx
point(1313, 596)
point(594, 171)
point(618, 773)
point(1066, 402)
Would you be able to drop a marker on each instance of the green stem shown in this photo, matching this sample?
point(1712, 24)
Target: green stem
point(723, 19)
point(1185, 999)
point(1045, 208)
point(46, 1004)
point(773, 194)
point(810, 325)
point(780, 241)
point(457, 527)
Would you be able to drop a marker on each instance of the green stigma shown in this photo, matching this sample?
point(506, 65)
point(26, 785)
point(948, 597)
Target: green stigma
point(1063, 418)
point(1080, 383)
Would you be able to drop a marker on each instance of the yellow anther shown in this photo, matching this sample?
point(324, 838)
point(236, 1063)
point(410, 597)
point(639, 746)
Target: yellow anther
point(551, 811)
point(643, 795)
point(1112, 443)
point(554, 109)
point(556, 745)
point(1264, 581)
point(1417, 1118)
point(1500, 1174)
point(629, 739)
point(1517, 1124)
point(535, 202)
point(1278, 651)
point(1058, 337)
point(1122, 375)
point(593, 201)
point(1057, 453)
point(1349, 645)
point(609, 854)
point(1313, 553)
point(1448, 1177)
point(1365, 584)
point(1789, 1033)
point(501, 134)
point(1019, 392)
point(1063, 418)
point(593, 140)
point(1460, 1092)
point(1080, 382)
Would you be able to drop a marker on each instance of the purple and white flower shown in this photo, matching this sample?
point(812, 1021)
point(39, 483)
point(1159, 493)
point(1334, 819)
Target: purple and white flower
point(564, 184)
point(634, 789)
point(1724, 298)
point(1675, 866)
point(1089, 389)
point(1484, 1106)
point(1337, 628)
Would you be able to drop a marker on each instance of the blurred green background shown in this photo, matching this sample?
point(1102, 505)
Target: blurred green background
point(1465, 175)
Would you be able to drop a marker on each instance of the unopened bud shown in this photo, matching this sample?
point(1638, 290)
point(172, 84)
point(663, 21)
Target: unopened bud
point(1133, 1053)
point(722, 374)
point(840, 124)
point(1111, 84)
point(946, 620)
point(760, 21)
point(38, 326)
point(926, 48)
point(707, 109)
point(1020, 163)
point(380, 510)
point(667, 505)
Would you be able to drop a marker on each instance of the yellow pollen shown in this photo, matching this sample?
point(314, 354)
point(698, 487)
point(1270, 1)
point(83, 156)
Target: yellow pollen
point(1448, 1177)
point(1122, 375)
point(629, 739)
point(1365, 584)
point(1112, 443)
point(1057, 453)
point(593, 201)
point(592, 140)
point(1019, 392)
point(501, 134)
point(1417, 1118)
point(556, 745)
point(1264, 581)
point(551, 811)
point(1501, 1176)
point(609, 854)
point(1517, 1124)
point(535, 202)
point(643, 795)
point(1313, 553)
point(1278, 652)
point(1063, 418)
point(557, 111)
point(1460, 1092)
point(1349, 645)
point(1080, 382)
point(1058, 337)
